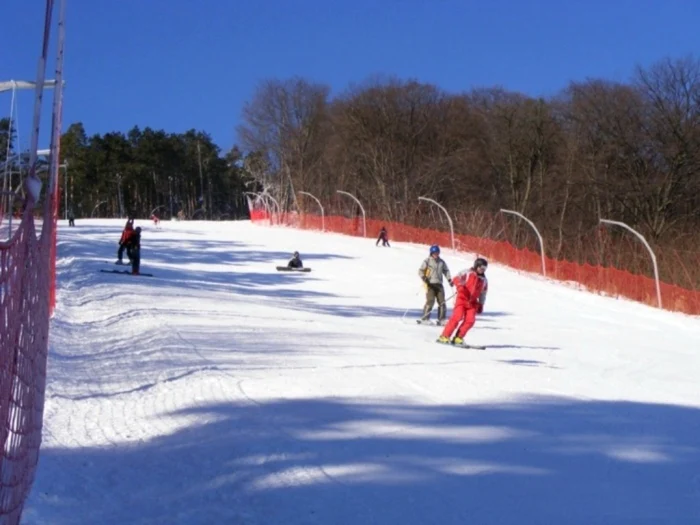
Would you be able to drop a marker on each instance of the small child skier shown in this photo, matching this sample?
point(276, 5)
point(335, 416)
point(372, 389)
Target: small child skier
point(384, 237)
point(472, 287)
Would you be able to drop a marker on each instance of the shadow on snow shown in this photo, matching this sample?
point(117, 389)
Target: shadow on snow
point(536, 461)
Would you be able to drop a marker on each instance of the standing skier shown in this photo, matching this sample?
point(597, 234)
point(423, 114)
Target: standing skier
point(472, 287)
point(133, 250)
point(384, 237)
point(431, 272)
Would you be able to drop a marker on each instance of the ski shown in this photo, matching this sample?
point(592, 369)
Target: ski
point(429, 323)
point(126, 272)
point(287, 269)
point(462, 345)
point(472, 347)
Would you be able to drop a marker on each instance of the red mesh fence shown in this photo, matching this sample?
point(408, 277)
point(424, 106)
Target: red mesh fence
point(27, 297)
point(25, 282)
point(599, 279)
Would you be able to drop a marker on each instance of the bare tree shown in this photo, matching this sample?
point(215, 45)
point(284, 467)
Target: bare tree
point(284, 122)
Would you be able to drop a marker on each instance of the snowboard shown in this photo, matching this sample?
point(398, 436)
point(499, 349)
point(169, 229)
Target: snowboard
point(287, 269)
point(127, 272)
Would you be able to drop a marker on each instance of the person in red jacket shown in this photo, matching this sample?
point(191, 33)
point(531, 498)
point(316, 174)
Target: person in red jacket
point(471, 296)
point(124, 240)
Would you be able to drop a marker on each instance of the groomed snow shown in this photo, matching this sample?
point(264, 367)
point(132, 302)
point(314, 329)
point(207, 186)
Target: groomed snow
point(223, 392)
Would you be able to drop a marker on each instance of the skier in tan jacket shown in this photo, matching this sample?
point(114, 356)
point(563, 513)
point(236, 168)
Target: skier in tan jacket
point(432, 272)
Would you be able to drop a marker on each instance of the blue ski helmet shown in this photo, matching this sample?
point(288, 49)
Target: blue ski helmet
point(434, 249)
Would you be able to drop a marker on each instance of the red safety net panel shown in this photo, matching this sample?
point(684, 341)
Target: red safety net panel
point(27, 297)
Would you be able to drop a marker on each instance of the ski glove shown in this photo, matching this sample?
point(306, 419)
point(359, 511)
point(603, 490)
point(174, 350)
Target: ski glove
point(479, 308)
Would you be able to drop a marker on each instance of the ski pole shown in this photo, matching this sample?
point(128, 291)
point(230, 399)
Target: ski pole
point(403, 317)
point(447, 299)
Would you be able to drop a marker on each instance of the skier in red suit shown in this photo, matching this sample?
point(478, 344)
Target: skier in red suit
point(471, 296)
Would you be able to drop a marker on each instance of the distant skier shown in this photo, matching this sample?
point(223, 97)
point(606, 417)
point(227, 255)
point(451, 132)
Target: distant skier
point(295, 262)
point(71, 217)
point(156, 220)
point(133, 250)
point(472, 287)
point(126, 233)
point(431, 272)
point(384, 237)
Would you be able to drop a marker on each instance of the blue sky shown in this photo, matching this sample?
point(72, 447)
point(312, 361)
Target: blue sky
point(180, 64)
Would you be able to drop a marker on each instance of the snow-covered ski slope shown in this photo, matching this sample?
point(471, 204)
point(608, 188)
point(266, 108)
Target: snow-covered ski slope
point(223, 392)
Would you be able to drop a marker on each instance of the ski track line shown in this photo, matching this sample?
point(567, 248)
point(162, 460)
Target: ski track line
point(121, 419)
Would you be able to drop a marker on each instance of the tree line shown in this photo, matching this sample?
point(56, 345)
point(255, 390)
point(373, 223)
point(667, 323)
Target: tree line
point(597, 149)
point(117, 174)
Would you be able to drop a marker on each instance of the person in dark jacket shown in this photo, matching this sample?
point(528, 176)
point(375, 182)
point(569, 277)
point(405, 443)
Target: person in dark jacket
point(384, 237)
point(295, 261)
point(133, 250)
point(71, 217)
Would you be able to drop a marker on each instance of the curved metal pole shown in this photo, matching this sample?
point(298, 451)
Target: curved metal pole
point(323, 220)
point(156, 208)
point(651, 252)
point(449, 219)
point(92, 213)
point(264, 202)
point(277, 205)
point(364, 216)
point(544, 270)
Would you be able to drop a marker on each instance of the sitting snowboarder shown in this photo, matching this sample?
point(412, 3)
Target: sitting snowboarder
point(384, 237)
point(133, 250)
point(295, 262)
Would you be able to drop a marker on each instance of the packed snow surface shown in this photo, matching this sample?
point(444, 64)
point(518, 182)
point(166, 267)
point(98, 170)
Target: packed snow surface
point(220, 391)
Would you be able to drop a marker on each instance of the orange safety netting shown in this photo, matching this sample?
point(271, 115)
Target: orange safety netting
point(599, 279)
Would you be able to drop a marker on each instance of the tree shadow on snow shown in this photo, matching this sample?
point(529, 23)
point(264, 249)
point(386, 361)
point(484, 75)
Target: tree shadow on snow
point(195, 264)
point(298, 461)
